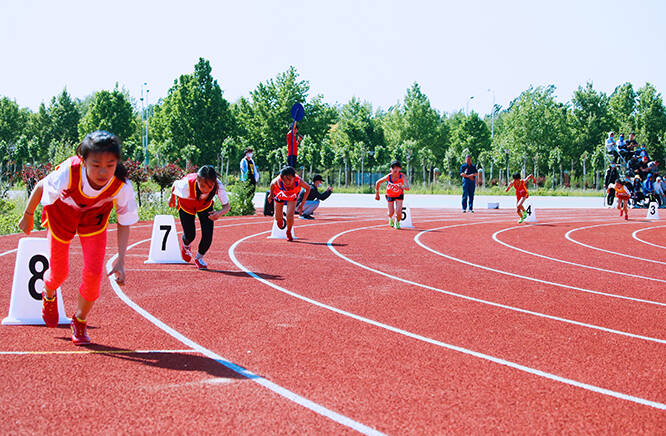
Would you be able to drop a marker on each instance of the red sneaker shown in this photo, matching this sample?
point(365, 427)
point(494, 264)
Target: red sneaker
point(291, 238)
point(185, 252)
point(200, 263)
point(50, 310)
point(79, 332)
point(626, 217)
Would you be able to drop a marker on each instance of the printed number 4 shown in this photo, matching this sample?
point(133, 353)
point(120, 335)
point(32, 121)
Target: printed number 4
point(166, 236)
point(529, 210)
point(36, 275)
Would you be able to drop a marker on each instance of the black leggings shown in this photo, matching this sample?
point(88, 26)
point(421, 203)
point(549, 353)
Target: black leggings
point(189, 232)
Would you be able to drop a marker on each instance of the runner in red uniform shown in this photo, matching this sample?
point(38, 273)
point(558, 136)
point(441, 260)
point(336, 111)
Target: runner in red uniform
point(623, 196)
point(194, 195)
point(285, 189)
point(78, 198)
point(396, 185)
point(521, 193)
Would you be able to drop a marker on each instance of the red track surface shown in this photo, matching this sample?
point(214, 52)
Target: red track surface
point(382, 352)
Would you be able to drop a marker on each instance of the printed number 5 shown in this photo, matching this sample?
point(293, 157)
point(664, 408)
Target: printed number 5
point(166, 236)
point(404, 214)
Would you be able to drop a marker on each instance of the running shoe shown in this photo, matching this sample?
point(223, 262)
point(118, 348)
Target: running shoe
point(50, 310)
point(185, 252)
point(522, 218)
point(79, 331)
point(391, 221)
point(626, 217)
point(200, 263)
point(397, 225)
point(291, 238)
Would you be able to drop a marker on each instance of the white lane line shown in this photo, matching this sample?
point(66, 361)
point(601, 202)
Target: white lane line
point(569, 237)
point(289, 395)
point(25, 353)
point(479, 300)
point(8, 252)
point(634, 235)
point(580, 265)
point(547, 282)
point(466, 351)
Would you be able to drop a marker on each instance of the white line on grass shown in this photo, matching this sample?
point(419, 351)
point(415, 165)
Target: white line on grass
point(466, 351)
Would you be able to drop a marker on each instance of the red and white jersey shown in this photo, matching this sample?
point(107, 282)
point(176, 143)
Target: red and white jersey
point(72, 206)
point(282, 193)
point(185, 191)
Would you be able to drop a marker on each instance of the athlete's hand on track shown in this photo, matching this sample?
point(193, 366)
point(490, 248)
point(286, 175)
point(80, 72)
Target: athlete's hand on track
point(27, 223)
point(119, 270)
point(377, 196)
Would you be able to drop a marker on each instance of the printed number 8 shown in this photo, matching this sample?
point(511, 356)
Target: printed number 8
point(36, 275)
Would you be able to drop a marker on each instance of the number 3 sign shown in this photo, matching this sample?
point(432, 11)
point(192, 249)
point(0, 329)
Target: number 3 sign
point(25, 307)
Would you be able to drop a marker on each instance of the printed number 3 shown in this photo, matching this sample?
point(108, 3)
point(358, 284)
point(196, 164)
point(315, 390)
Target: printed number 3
point(166, 236)
point(652, 209)
point(36, 275)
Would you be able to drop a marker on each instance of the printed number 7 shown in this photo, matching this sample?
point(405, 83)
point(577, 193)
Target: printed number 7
point(166, 236)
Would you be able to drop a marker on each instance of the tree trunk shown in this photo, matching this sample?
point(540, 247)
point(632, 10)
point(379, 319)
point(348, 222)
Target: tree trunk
point(584, 175)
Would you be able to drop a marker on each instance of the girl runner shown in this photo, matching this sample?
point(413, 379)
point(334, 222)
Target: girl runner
point(194, 195)
point(521, 193)
point(285, 189)
point(78, 198)
point(396, 185)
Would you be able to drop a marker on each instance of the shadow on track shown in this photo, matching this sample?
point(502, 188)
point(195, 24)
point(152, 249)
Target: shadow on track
point(172, 361)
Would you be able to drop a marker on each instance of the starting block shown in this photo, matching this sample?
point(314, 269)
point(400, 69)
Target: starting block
point(493, 205)
point(25, 306)
point(278, 232)
point(406, 218)
point(531, 214)
point(653, 211)
point(164, 246)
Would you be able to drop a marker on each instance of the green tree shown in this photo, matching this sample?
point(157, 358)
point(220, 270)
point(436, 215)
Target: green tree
point(622, 108)
point(589, 120)
point(64, 118)
point(651, 121)
point(194, 119)
point(113, 112)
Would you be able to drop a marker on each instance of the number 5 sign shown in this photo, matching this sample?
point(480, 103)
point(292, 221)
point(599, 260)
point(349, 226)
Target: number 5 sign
point(164, 246)
point(25, 306)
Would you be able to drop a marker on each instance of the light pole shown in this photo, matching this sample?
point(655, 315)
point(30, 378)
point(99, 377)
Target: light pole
point(492, 117)
point(144, 120)
point(468, 100)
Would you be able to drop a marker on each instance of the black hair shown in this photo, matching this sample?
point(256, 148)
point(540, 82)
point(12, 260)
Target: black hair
point(101, 141)
point(396, 163)
point(248, 150)
point(317, 177)
point(288, 171)
point(207, 172)
point(516, 176)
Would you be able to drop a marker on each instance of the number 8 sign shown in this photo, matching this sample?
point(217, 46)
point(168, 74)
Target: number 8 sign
point(25, 307)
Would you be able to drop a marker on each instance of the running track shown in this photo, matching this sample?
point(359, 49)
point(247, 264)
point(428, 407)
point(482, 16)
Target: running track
point(467, 323)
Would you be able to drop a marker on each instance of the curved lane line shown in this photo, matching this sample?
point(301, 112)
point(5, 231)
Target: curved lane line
point(459, 349)
point(569, 237)
point(547, 282)
point(580, 265)
point(283, 392)
point(633, 235)
point(479, 300)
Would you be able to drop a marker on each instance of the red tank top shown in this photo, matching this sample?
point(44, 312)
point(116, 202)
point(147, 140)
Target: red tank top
point(89, 217)
point(282, 193)
point(394, 188)
point(192, 204)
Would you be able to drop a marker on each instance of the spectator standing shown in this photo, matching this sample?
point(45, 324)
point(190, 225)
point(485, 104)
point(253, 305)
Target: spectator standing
point(659, 191)
point(249, 172)
point(312, 202)
point(468, 172)
point(293, 141)
point(610, 178)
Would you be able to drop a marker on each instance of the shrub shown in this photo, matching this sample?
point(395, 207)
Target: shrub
point(137, 173)
point(32, 174)
point(241, 199)
point(166, 175)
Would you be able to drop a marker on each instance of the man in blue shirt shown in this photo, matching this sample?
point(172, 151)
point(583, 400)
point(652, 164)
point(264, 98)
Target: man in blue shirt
point(468, 172)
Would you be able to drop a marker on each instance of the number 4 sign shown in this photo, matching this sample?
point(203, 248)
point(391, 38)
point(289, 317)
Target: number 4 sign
point(164, 246)
point(25, 306)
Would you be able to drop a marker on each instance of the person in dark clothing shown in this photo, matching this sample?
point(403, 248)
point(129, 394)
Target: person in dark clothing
point(637, 195)
point(468, 172)
point(609, 182)
point(312, 202)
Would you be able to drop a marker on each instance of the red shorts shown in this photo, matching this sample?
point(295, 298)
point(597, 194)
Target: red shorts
point(521, 194)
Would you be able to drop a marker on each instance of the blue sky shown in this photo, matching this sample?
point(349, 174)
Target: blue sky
point(373, 50)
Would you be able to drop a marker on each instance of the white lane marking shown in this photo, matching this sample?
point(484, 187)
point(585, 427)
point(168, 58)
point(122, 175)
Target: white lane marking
point(8, 252)
point(547, 282)
point(569, 237)
point(479, 300)
point(580, 265)
point(634, 235)
point(459, 349)
point(289, 395)
point(24, 353)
